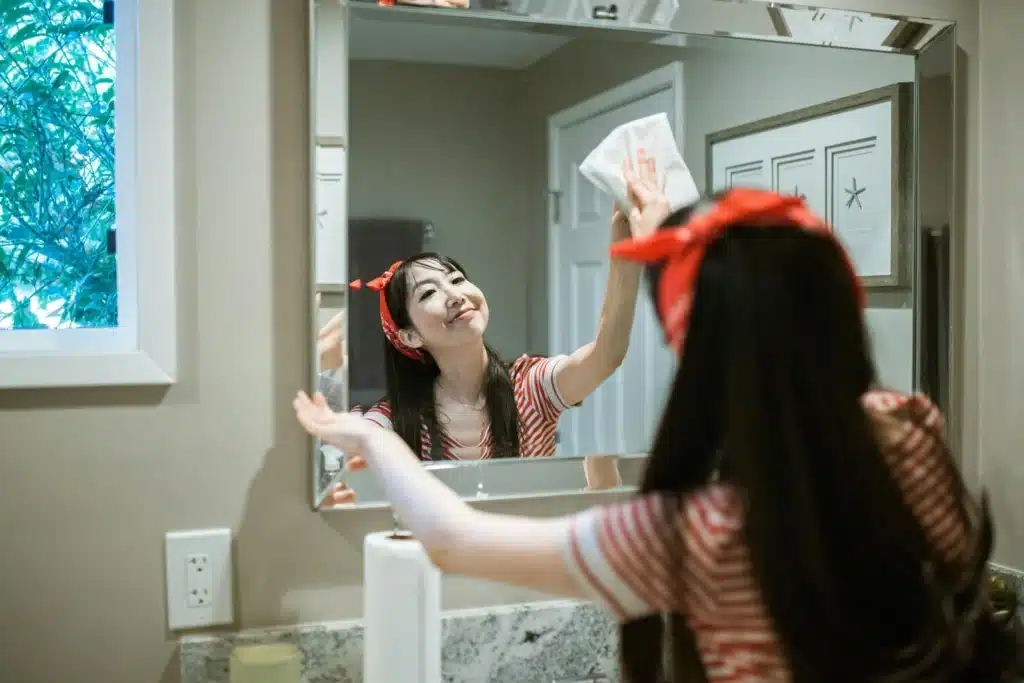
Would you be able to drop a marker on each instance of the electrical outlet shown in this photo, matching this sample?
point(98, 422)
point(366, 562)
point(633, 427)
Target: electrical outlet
point(199, 579)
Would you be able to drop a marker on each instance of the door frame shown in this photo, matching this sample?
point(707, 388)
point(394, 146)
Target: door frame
point(667, 77)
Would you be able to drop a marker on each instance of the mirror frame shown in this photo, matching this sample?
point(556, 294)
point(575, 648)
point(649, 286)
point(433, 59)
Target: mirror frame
point(745, 19)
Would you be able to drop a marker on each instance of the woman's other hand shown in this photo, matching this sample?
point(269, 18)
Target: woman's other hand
point(319, 420)
point(650, 205)
point(352, 434)
point(346, 432)
point(330, 343)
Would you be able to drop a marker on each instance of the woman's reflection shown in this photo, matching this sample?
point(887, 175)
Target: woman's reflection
point(449, 395)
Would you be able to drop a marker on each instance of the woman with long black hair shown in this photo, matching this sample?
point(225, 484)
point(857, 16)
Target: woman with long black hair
point(449, 395)
point(796, 523)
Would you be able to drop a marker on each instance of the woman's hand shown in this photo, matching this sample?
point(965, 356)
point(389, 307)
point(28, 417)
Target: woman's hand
point(650, 205)
point(348, 433)
point(330, 343)
point(353, 435)
point(317, 418)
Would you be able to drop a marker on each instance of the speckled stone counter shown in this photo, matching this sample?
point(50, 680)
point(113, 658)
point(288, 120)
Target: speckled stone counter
point(529, 643)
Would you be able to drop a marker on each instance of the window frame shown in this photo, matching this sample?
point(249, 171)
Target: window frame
point(143, 349)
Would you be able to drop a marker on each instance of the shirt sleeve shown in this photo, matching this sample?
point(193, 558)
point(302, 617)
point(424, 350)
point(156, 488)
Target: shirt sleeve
point(619, 555)
point(380, 414)
point(538, 381)
point(911, 431)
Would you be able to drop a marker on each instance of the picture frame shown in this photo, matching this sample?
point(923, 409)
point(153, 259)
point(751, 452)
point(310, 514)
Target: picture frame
point(869, 133)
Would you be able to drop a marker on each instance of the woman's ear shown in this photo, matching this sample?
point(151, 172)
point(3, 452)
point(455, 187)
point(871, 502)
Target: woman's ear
point(411, 338)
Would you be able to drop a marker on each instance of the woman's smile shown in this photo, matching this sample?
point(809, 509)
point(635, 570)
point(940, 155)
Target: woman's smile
point(464, 315)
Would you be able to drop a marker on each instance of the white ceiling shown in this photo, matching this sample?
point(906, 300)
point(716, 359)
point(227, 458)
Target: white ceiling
point(438, 44)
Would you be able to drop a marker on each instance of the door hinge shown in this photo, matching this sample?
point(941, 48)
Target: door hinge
point(556, 205)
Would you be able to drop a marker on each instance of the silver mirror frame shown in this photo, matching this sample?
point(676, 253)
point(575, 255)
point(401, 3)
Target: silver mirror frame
point(931, 42)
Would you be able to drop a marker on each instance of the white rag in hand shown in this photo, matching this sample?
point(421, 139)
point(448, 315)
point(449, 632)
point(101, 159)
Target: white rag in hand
point(653, 134)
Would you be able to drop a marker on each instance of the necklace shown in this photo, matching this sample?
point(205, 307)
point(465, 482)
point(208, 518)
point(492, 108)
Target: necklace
point(476, 405)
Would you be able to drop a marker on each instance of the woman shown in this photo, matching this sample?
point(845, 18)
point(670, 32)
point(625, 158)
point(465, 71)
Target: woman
point(449, 395)
point(796, 523)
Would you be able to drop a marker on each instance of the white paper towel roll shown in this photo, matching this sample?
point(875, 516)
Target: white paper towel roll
point(401, 611)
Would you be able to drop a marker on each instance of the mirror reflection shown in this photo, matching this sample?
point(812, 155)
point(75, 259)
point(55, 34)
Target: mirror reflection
point(455, 150)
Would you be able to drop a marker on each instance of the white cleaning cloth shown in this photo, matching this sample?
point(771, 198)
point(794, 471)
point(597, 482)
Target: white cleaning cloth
point(653, 134)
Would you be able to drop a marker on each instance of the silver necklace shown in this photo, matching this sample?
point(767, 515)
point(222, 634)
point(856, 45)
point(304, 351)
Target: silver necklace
point(476, 405)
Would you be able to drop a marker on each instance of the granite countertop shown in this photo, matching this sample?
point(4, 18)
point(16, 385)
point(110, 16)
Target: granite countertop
point(528, 643)
point(537, 642)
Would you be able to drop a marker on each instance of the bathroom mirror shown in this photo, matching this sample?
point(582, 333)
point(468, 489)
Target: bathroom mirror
point(460, 132)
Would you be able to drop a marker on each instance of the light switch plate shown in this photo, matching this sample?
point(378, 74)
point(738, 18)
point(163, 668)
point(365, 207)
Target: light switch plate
point(199, 570)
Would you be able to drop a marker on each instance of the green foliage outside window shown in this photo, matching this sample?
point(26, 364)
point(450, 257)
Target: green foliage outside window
point(57, 208)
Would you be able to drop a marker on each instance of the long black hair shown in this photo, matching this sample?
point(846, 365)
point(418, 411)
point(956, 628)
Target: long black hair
point(410, 382)
point(768, 395)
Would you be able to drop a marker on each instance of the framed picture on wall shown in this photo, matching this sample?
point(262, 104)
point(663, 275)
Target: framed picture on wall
point(850, 161)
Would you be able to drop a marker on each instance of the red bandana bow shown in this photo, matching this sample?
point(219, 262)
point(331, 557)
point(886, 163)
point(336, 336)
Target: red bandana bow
point(682, 247)
point(387, 323)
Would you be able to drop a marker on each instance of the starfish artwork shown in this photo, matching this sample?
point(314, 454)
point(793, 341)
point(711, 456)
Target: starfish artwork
point(853, 196)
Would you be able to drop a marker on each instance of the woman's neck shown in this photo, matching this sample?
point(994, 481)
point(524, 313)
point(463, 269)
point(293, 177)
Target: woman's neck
point(463, 372)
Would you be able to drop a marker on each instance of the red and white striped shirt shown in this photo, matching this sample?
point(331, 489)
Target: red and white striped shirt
point(619, 556)
point(538, 403)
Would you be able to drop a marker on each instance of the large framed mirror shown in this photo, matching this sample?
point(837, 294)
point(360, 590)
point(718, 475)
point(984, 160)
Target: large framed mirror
point(459, 132)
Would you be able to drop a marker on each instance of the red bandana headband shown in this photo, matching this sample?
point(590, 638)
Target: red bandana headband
point(387, 323)
point(682, 247)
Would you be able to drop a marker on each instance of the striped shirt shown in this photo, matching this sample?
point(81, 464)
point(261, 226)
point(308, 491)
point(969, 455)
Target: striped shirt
point(620, 558)
point(538, 403)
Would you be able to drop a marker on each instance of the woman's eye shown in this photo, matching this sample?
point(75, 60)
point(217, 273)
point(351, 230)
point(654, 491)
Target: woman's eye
point(427, 294)
point(458, 280)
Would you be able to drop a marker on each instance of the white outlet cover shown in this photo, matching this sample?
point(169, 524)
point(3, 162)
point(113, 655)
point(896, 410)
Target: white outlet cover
point(182, 546)
point(198, 580)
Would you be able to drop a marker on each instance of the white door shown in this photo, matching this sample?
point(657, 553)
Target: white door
point(621, 416)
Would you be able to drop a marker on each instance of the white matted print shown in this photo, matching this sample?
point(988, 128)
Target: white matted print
point(846, 158)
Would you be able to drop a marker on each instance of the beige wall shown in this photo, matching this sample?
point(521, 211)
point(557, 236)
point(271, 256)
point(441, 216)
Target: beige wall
point(995, 269)
point(90, 480)
point(445, 143)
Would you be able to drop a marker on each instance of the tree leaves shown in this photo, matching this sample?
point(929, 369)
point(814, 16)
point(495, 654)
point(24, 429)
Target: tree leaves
point(57, 194)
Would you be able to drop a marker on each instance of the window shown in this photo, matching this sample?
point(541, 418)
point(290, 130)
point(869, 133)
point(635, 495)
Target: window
point(86, 296)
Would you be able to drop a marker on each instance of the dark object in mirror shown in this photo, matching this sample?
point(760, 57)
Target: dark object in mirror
point(606, 12)
point(1002, 593)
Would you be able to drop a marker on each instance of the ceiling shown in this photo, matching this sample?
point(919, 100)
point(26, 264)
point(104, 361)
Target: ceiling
point(440, 44)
